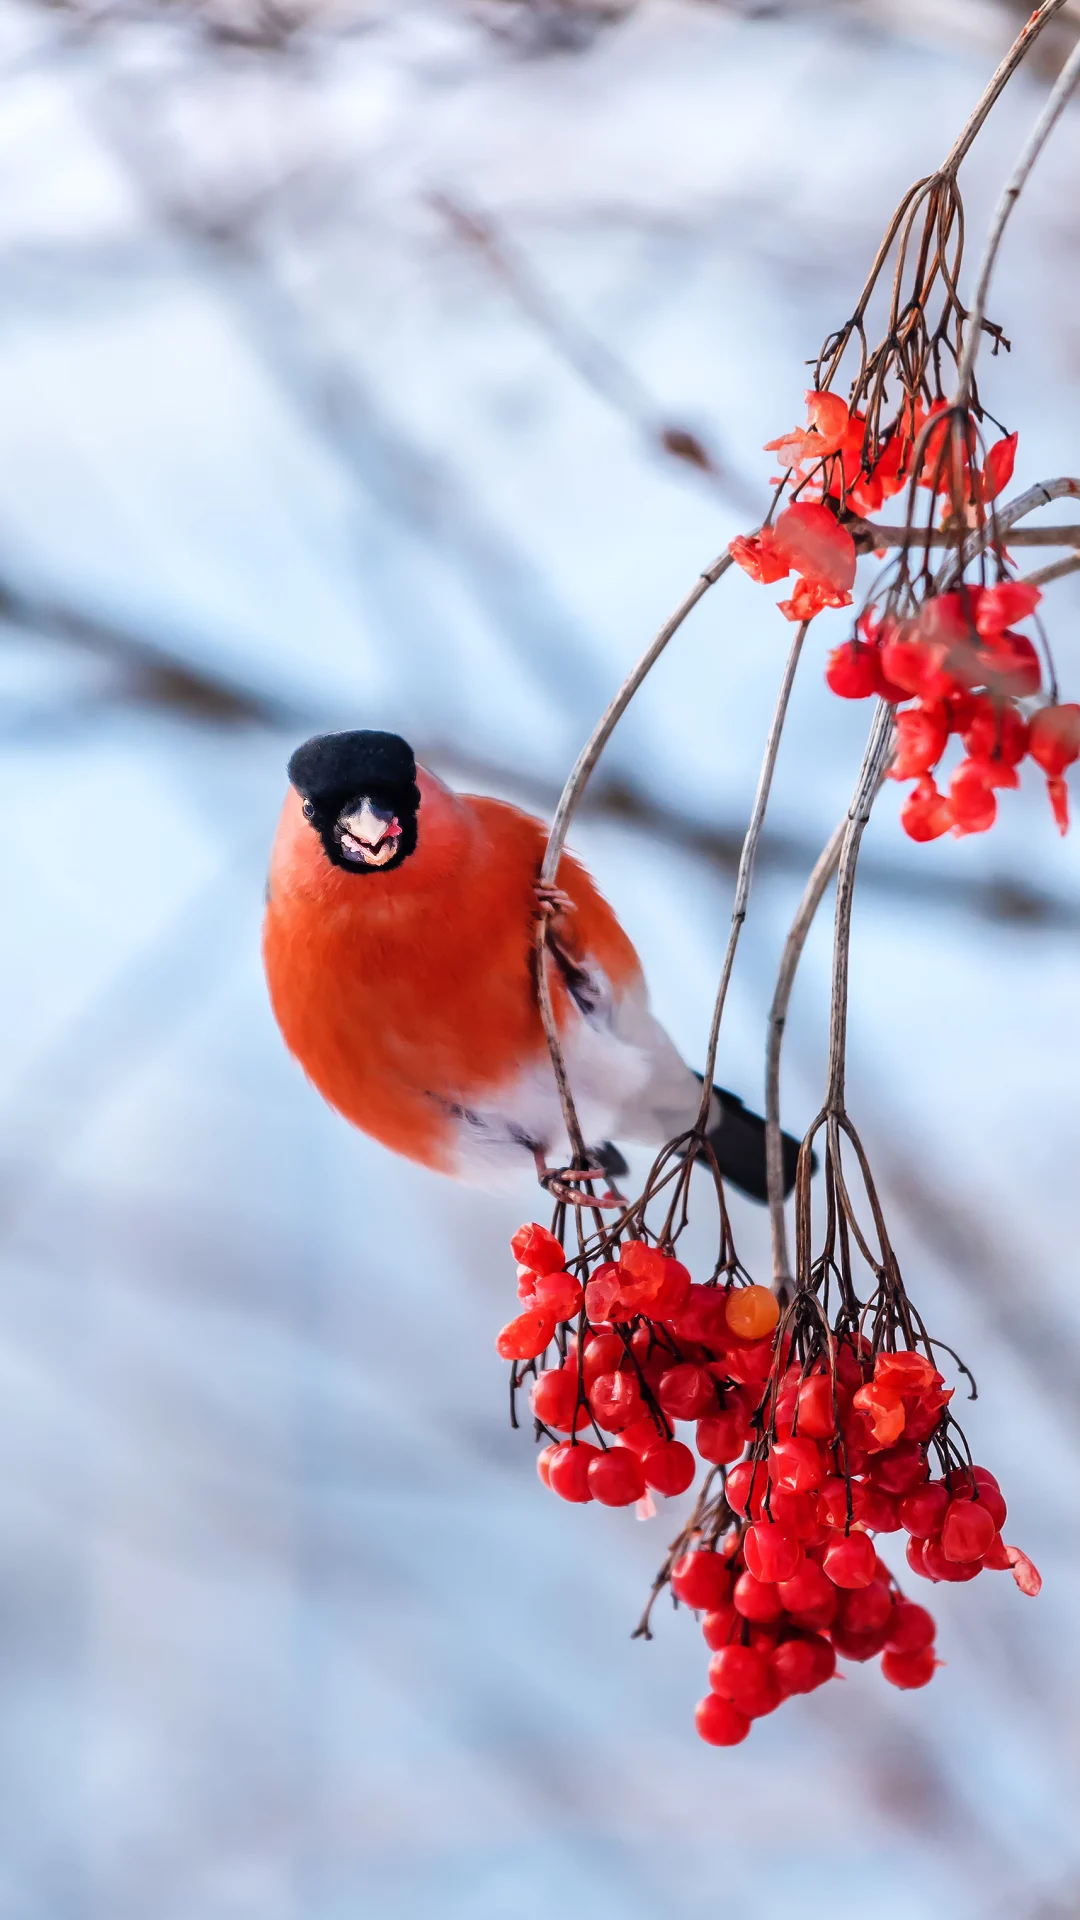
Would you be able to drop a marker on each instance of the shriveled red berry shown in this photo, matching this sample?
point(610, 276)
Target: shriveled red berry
point(816, 1418)
point(534, 1247)
point(560, 1294)
point(686, 1392)
point(718, 1722)
point(1054, 741)
point(915, 1554)
point(911, 1628)
point(641, 1434)
point(745, 1676)
point(674, 1292)
point(797, 1465)
point(616, 1478)
point(968, 1531)
point(669, 1467)
point(701, 1580)
point(800, 1665)
point(722, 1436)
point(527, 1336)
point(771, 1554)
point(568, 1470)
point(926, 813)
point(851, 1561)
point(909, 1669)
point(757, 1600)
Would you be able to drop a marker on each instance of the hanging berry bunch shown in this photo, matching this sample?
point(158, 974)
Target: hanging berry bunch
point(815, 1408)
point(948, 644)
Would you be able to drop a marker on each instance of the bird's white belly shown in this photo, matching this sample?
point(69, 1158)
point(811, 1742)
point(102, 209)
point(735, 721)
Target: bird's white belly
point(629, 1084)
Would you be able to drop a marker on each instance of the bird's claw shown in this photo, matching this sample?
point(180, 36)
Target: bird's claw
point(555, 1181)
point(552, 900)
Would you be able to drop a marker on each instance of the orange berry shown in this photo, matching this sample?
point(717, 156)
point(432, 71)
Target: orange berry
point(752, 1312)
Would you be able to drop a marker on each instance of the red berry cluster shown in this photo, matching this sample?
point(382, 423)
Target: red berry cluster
point(815, 1457)
point(965, 668)
point(650, 1349)
point(798, 1580)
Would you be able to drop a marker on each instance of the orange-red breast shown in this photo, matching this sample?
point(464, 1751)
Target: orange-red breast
point(399, 943)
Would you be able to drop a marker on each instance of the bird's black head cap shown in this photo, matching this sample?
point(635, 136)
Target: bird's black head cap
point(359, 792)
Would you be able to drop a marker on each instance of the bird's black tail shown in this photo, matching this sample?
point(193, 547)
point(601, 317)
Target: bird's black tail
point(738, 1141)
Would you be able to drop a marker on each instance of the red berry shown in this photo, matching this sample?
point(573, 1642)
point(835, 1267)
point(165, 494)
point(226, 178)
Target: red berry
point(720, 1626)
point(968, 1531)
point(674, 1292)
point(909, 1669)
point(718, 1722)
point(616, 1478)
point(851, 1561)
point(915, 1553)
point(744, 1676)
point(801, 1665)
point(1055, 737)
point(922, 734)
point(568, 1470)
point(926, 814)
point(808, 1590)
point(938, 1565)
point(604, 1353)
point(911, 1628)
point(746, 1485)
point(797, 1465)
point(971, 798)
point(853, 671)
point(771, 1554)
point(858, 1646)
point(757, 1600)
point(701, 1580)
point(900, 1469)
point(923, 1512)
point(554, 1397)
point(722, 1436)
point(687, 1392)
point(534, 1247)
point(543, 1462)
point(560, 1294)
point(615, 1399)
point(816, 1416)
point(527, 1336)
point(669, 1467)
point(641, 1434)
point(866, 1609)
point(878, 1511)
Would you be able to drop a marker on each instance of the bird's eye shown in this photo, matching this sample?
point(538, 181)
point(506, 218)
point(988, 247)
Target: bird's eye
point(309, 810)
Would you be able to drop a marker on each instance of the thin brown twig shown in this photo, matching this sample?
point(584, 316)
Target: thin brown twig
point(998, 81)
point(745, 876)
point(813, 895)
point(568, 802)
point(1043, 575)
point(1014, 187)
point(866, 788)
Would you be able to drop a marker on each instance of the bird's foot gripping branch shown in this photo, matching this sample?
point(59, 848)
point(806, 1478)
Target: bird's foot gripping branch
point(816, 1406)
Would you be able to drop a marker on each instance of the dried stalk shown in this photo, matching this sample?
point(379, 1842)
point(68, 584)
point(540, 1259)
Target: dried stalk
point(811, 900)
point(744, 878)
point(560, 826)
point(998, 81)
point(1014, 187)
point(866, 788)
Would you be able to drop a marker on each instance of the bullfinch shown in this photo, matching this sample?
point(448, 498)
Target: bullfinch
point(399, 945)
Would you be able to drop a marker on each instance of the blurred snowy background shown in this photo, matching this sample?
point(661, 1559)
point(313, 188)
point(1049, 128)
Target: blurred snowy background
point(337, 349)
